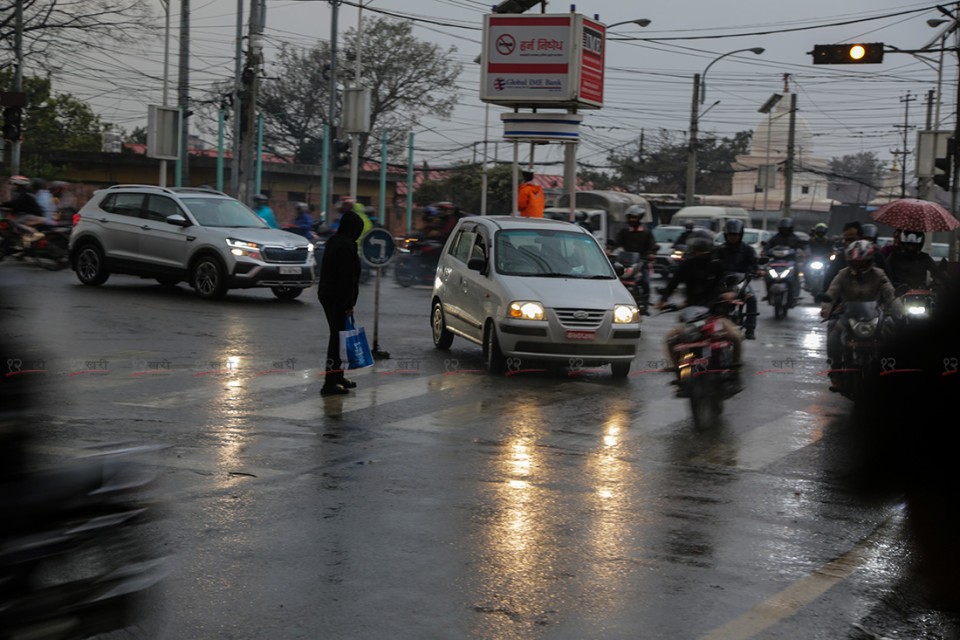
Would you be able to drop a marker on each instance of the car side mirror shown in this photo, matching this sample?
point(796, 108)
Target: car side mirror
point(178, 220)
point(477, 264)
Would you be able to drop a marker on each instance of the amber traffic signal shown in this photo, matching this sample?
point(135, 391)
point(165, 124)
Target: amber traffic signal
point(859, 53)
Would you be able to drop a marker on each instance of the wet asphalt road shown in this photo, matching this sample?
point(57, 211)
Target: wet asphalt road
point(436, 501)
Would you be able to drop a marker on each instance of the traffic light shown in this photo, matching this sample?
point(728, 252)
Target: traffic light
point(943, 167)
point(859, 53)
point(12, 123)
point(341, 153)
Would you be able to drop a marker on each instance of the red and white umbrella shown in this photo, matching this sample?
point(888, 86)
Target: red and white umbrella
point(911, 214)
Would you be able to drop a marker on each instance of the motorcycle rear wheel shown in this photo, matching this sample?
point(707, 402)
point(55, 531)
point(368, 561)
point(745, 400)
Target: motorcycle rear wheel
point(706, 404)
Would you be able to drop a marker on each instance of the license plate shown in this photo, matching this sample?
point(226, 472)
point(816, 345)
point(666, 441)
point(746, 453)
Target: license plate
point(291, 271)
point(581, 335)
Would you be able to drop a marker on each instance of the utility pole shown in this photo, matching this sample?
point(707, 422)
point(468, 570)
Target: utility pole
point(906, 100)
point(237, 104)
point(251, 81)
point(17, 82)
point(788, 170)
point(923, 185)
point(332, 110)
point(183, 94)
point(692, 149)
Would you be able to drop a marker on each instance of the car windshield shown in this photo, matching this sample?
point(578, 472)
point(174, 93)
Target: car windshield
point(938, 250)
point(750, 237)
point(667, 234)
point(550, 254)
point(223, 212)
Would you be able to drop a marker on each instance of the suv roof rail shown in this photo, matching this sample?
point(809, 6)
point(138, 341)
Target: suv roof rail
point(198, 190)
point(138, 186)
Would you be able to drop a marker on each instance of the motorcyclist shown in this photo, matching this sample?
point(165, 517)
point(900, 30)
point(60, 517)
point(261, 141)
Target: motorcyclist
point(859, 281)
point(303, 221)
point(910, 264)
point(786, 237)
point(636, 238)
point(681, 240)
point(820, 243)
point(871, 232)
point(263, 210)
point(702, 276)
point(738, 257)
point(850, 234)
point(23, 202)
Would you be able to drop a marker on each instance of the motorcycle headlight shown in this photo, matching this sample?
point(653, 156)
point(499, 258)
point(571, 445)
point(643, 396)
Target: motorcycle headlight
point(772, 272)
point(244, 248)
point(625, 314)
point(816, 265)
point(676, 254)
point(525, 310)
point(917, 310)
point(864, 328)
point(786, 272)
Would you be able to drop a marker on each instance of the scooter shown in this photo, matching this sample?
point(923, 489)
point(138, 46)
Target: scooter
point(74, 559)
point(417, 261)
point(861, 325)
point(706, 373)
point(635, 278)
point(814, 273)
point(781, 270)
point(739, 285)
point(46, 245)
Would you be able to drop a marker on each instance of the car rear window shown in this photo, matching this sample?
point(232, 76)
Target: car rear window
point(667, 234)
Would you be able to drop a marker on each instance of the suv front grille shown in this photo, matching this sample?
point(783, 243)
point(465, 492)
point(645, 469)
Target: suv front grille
point(581, 318)
point(277, 254)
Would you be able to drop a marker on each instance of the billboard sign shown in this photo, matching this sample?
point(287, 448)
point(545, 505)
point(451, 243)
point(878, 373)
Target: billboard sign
point(542, 60)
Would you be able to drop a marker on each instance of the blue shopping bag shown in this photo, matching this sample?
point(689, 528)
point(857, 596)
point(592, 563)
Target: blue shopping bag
point(353, 343)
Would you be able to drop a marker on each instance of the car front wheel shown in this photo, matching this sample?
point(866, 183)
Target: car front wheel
point(208, 278)
point(493, 356)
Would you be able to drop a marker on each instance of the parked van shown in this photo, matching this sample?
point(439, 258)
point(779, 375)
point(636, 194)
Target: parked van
point(711, 217)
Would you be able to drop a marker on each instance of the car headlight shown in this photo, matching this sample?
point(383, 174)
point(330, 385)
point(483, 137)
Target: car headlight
point(525, 310)
point(244, 248)
point(625, 314)
point(676, 254)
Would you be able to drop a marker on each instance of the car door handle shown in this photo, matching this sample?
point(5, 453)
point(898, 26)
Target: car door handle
point(104, 220)
point(145, 227)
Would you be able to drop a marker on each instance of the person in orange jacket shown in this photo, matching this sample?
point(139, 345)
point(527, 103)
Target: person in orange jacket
point(530, 198)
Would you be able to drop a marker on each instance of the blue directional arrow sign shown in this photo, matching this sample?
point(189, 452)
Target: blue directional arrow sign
point(377, 248)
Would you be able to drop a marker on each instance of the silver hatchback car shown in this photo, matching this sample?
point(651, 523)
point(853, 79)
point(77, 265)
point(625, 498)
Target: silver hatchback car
point(200, 236)
point(533, 291)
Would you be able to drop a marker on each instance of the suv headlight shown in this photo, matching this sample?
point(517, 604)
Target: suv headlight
point(525, 310)
point(625, 314)
point(244, 248)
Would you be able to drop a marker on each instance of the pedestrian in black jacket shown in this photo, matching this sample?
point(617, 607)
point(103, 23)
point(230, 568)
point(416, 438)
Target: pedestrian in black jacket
point(338, 291)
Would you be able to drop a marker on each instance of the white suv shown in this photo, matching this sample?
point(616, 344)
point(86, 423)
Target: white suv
point(533, 290)
point(197, 235)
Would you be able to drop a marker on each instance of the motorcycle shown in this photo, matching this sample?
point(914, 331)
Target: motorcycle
point(74, 562)
point(814, 273)
point(739, 285)
point(917, 306)
point(781, 266)
point(635, 278)
point(417, 261)
point(46, 244)
point(706, 373)
point(861, 333)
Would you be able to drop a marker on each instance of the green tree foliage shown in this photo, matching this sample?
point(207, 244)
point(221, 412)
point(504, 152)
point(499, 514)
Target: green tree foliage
point(856, 178)
point(408, 79)
point(660, 166)
point(53, 122)
point(464, 185)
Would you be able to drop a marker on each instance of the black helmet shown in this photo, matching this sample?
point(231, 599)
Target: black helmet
point(912, 238)
point(688, 225)
point(785, 224)
point(733, 226)
point(869, 232)
point(699, 240)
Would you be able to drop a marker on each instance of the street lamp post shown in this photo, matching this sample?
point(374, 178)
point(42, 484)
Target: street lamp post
point(699, 95)
point(767, 108)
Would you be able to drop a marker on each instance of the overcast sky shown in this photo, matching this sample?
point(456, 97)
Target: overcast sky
point(649, 79)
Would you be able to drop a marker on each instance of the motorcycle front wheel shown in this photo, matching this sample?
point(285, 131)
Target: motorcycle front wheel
point(706, 405)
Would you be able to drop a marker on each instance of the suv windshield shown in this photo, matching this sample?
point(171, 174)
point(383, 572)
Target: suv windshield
point(222, 212)
point(550, 254)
